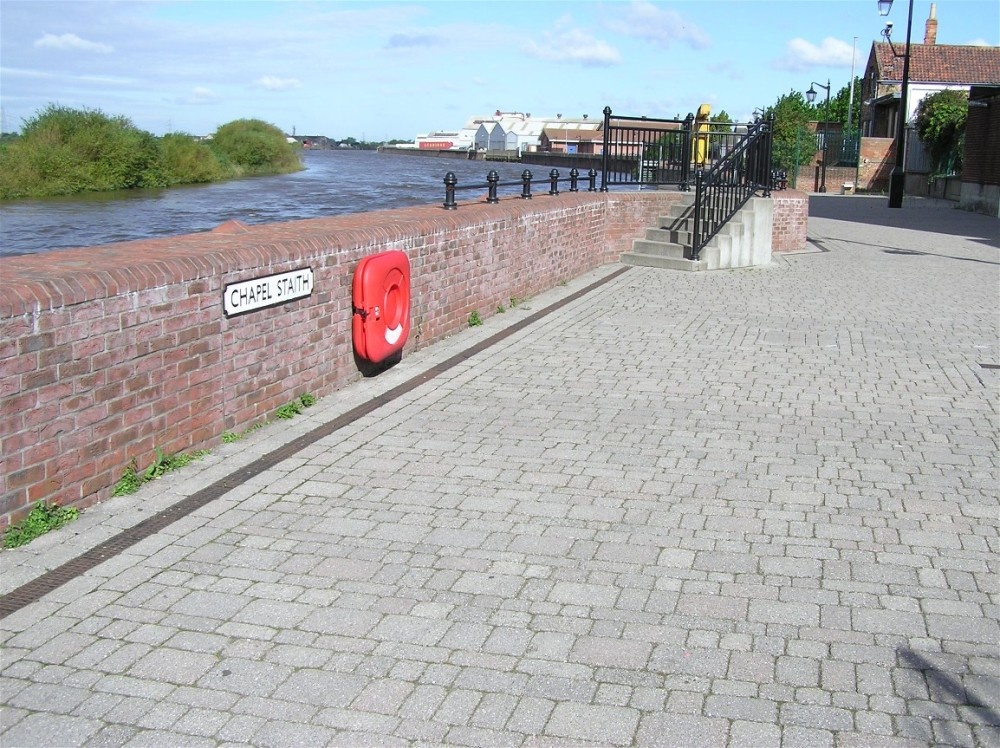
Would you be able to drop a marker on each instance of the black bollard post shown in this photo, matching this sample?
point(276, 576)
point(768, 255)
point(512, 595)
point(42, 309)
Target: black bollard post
point(492, 178)
point(526, 185)
point(574, 174)
point(450, 180)
point(592, 175)
point(554, 182)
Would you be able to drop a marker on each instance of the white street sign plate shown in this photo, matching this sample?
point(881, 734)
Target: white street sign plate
point(259, 293)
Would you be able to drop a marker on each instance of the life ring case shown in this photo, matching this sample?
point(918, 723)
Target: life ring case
point(381, 298)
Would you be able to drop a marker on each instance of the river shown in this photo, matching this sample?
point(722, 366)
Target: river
point(333, 183)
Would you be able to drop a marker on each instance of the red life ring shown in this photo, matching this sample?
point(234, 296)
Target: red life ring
point(381, 294)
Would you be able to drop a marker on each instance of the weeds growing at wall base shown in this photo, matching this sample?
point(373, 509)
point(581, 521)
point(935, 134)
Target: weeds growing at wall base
point(39, 521)
point(133, 478)
point(296, 406)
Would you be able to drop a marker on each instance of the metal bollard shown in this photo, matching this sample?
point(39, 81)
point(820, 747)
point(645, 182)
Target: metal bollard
point(574, 174)
point(492, 178)
point(450, 180)
point(526, 185)
point(592, 175)
point(554, 182)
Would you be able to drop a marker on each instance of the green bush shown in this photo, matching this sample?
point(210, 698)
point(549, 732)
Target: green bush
point(187, 161)
point(255, 147)
point(940, 120)
point(63, 151)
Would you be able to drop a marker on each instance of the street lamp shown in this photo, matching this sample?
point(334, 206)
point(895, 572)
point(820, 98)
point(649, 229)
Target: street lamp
point(897, 179)
point(811, 97)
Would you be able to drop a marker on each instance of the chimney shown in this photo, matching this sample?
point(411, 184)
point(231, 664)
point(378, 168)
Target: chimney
point(930, 28)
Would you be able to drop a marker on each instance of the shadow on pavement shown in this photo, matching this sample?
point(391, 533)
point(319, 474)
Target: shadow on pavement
point(977, 693)
point(919, 214)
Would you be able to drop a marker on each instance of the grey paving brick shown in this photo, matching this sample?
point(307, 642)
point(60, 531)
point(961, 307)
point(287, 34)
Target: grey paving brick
point(51, 729)
point(277, 734)
point(806, 737)
point(173, 666)
point(611, 652)
point(596, 723)
point(458, 707)
point(666, 729)
point(823, 717)
point(753, 735)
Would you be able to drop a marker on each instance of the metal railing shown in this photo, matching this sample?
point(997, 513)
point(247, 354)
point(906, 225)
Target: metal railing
point(493, 183)
point(642, 151)
point(726, 187)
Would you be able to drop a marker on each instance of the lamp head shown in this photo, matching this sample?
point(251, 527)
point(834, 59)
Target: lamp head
point(811, 95)
point(884, 6)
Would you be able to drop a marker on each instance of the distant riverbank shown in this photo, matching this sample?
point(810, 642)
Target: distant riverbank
point(65, 151)
point(428, 153)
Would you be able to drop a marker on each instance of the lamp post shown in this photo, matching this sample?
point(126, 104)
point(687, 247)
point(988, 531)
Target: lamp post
point(897, 179)
point(811, 97)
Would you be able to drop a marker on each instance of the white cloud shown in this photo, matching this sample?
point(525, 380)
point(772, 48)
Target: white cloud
point(802, 55)
point(201, 95)
point(274, 83)
point(643, 20)
point(574, 45)
point(979, 43)
point(71, 42)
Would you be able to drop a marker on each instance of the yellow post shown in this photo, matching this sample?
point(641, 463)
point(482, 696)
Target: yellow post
point(701, 138)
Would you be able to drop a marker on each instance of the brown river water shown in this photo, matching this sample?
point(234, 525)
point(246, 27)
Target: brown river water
point(333, 183)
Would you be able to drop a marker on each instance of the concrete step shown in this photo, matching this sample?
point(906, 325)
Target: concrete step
point(675, 235)
point(665, 244)
point(665, 263)
point(659, 249)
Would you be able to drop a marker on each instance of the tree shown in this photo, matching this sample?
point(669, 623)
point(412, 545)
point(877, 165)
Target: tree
point(940, 120)
point(839, 104)
point(791, 113)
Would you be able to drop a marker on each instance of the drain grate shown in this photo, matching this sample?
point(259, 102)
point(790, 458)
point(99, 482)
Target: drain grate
point(34, 590)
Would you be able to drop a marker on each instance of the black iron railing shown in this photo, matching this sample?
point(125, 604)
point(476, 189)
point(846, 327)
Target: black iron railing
point(726, 187)
point(642, 151)
point(493, 183)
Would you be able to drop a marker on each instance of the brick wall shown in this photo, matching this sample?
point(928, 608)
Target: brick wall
point(107, 353)
point(110, 352)
point(791, 220)
point(982, 133)
point(878, 156)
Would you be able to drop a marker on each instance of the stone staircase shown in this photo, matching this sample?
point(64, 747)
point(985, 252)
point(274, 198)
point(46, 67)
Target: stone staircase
point(745, 241)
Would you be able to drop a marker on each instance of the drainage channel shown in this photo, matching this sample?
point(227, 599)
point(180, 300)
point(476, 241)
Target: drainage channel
point(51, 580)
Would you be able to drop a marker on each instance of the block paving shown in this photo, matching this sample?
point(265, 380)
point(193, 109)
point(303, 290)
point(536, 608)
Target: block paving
point(743, 508)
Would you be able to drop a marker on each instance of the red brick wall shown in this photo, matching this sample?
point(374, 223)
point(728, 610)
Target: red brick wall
point(878, 156)
point(791, 219)
point(982, 149)
point(110, 352)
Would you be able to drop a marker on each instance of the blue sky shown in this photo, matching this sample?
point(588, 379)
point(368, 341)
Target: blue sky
point(381, 70)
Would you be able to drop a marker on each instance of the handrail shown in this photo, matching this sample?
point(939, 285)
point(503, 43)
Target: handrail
point(644, 151)
point(726, 187)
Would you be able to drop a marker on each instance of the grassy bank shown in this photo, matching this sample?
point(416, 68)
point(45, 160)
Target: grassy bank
point(63, 151)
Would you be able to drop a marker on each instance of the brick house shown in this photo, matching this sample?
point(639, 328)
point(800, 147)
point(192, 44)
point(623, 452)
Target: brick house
point(933, 67)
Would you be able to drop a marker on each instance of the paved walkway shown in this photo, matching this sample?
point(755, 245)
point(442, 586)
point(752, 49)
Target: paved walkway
point(743, 508)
